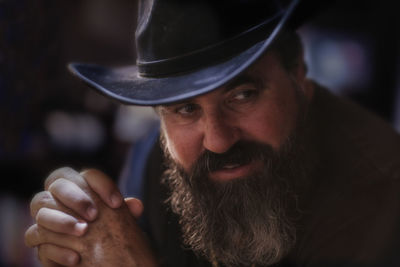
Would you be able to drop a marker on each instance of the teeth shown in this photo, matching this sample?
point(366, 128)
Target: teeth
point(231, 166)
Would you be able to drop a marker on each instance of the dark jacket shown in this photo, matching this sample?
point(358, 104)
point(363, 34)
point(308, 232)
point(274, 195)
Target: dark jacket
point(353, 214)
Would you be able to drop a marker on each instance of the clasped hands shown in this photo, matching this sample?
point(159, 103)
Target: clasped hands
point(82, 220)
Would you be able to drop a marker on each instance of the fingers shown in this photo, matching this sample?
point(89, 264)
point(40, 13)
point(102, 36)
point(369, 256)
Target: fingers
point(66, 173)
point(104, 187)
point(43, 199)
point(135, 206)
point(52, 247)
point(88, 181)
point(37, 235)
point(72, 196)
point(48, 263)
point(51, 255)
point(60, 222)
point(57, 234)
point(53, 215)
point(71, 189)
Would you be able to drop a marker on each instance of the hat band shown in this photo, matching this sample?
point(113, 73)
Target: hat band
point(209, 55)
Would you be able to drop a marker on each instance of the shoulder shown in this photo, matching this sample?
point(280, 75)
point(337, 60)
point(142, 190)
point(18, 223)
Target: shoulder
point(356, 135)
point(354, 216)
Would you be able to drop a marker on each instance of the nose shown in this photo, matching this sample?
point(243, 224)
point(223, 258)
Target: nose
point(220, 133)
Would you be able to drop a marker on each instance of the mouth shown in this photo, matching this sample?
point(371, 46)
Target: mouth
point(235, 171)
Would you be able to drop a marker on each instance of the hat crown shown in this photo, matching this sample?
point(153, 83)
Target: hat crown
point(187, 48)
point(172, 30)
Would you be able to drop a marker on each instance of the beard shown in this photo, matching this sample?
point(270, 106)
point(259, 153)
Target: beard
point(244, 221)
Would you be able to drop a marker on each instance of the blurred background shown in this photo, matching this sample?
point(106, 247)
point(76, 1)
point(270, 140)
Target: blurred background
point(49, 119)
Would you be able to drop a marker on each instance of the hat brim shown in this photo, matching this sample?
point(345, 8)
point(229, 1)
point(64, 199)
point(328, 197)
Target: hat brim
point(125, 85)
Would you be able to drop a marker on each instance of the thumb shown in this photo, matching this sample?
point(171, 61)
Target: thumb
point(135, 206)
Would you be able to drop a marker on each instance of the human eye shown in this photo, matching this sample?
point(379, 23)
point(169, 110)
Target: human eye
point(187, 109)
point(182, 113)
point(244, 93)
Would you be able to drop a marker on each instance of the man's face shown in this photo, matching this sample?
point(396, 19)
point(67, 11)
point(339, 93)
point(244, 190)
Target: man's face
point(259, 106)
point(236, 165)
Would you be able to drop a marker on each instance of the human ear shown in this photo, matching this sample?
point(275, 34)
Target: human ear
point(299, 73)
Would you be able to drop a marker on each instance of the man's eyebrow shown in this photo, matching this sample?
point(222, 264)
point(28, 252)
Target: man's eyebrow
point(180, 102)
point(242, 79)
point(171, 105)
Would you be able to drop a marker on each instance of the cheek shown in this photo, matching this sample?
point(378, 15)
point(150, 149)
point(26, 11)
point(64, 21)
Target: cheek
point(183, 144)
point(272, 123)
point(265, 128)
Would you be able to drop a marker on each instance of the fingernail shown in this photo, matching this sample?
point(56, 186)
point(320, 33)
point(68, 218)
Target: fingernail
point(80, 227)
point(91, 212)
point(115, 200)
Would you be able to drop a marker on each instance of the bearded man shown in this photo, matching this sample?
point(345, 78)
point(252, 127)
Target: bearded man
point(262, 167)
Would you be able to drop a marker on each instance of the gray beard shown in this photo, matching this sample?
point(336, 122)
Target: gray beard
point(251, 220)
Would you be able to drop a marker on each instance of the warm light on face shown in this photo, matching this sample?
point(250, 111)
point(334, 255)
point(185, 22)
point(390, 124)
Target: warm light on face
point(259, 105)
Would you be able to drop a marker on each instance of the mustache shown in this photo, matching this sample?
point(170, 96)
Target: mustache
point(252, 215)
point(241, 153)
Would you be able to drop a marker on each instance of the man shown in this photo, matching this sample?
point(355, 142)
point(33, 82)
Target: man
point(263, 166)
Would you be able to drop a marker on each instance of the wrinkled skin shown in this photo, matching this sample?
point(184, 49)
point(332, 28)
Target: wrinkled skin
point(110, 238)
point(114, 230)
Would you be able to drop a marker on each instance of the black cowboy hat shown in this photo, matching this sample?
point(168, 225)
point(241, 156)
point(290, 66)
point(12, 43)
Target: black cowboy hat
point(190, 47)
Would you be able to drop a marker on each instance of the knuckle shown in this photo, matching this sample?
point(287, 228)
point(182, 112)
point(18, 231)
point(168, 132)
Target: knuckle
point(28, 237)
point(71, 195)
point(40, 215)
point(56, 185)
point(58, 173)
point(70, 192)
point(41, 199)
point(35, 236)
point(41, 234)
point(46, 216)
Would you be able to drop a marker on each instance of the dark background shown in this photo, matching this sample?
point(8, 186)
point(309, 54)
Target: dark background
point(49, 119)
